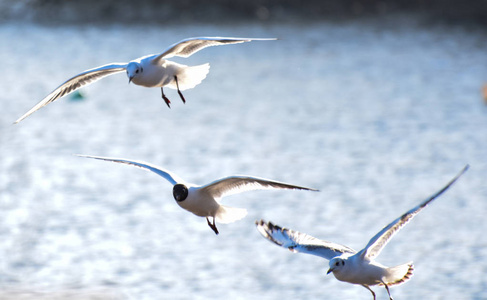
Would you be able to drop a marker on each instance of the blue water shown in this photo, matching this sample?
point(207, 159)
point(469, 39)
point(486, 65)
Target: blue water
point(378, 116)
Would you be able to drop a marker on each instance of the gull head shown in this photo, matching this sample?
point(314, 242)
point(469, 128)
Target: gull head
point(180, 192)
point(336, 264)
point(134, 69)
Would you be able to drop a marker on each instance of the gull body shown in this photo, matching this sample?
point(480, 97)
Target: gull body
point(203, 201)
point(144, 72)
point(347, 264)
point(149, 71)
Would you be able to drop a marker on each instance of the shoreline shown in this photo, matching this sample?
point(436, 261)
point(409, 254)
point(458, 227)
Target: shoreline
point(173, 11)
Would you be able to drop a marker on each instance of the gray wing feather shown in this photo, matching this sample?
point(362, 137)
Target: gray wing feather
point(171, 177)
point(238, 184)
point(188, 47)
point(380, 240)
point(300, 242)
point(75, 83)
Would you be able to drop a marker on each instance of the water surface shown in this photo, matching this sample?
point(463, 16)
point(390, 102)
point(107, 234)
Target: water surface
point(377, 116)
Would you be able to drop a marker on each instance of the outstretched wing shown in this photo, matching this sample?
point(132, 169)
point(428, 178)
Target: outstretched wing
point(380, 240)
point(300, 242)
point(238, 184)
point(75, 83)
point(171, 177)
point(188, 47)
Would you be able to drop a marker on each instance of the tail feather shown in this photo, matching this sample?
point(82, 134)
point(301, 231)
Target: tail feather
point(399, 274)
point(189, 77)
point(226, 214)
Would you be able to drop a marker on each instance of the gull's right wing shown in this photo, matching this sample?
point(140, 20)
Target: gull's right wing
point(300, 242)
point(171, 177)
point(75, 83)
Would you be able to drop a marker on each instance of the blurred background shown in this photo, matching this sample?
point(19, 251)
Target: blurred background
point(156, 11)
point(376, 103)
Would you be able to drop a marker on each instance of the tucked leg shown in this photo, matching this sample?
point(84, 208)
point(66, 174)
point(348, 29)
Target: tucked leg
point(212, 225)
point(367, 287)
point(179, 92)
point(165, 98)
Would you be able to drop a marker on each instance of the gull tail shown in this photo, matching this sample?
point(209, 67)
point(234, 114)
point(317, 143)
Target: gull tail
point(226, 214)
point(399, 274)
point(189, 77)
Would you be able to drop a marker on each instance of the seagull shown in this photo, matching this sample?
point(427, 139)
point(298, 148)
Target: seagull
point(347, 264)
point(150, 71)
point(203, 201)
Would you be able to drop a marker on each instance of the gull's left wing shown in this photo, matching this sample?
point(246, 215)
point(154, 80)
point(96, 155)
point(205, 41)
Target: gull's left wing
point(238, 184)
point(188, 47)
point(380, 240)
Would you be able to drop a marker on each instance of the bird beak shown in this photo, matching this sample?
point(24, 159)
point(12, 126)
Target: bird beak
point(130, 79)
point(329, 271)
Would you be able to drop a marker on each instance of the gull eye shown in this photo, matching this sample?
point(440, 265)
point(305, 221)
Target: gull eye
point(343, 263)
point(137, 71)
point(337, 263)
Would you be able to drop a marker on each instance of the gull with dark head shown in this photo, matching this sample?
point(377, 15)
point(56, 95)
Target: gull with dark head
point(203, 201)
point(347, 264)
point(150, 71)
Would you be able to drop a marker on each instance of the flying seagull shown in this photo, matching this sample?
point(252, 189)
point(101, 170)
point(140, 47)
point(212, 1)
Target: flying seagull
point(150, 71)
point(347, 264)
point(203, 201)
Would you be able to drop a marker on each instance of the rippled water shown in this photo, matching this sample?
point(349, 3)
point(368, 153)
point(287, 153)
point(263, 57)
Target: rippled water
point(377, 116)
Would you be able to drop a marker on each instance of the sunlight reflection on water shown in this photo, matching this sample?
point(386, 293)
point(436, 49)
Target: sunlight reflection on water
point(377, 118)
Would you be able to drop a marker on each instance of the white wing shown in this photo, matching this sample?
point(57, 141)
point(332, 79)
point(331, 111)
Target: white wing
point(188, 47)
point(75, 83)
point(238, 184)
point(171, 177)
point(300, 242)
point(380, 240)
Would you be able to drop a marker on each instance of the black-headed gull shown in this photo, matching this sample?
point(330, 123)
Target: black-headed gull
point(150, 71)
point(203, 200)
point(347, 264)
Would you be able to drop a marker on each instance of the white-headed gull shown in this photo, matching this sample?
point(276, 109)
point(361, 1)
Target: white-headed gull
point(150, 71)
point(203, 200)
point(347, 264)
